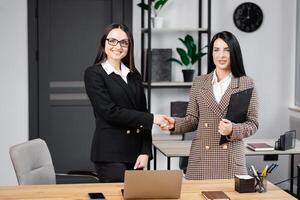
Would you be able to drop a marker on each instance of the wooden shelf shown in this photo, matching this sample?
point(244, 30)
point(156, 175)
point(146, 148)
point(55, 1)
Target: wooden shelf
point(165, 30)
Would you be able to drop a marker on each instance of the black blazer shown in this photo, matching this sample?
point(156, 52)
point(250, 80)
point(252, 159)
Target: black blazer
point(123, 125)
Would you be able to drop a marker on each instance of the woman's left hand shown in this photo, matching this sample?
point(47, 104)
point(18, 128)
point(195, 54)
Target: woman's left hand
point(141, 161)
point(225, 127)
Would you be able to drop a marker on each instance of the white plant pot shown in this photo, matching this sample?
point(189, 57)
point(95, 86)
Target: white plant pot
point(157, 22)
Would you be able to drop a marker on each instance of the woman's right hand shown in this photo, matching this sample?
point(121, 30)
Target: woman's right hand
point(164, 122)
point(170, 125)
point(160, 120)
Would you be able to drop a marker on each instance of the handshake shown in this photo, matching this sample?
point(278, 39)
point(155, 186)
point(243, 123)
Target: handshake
point(165, 122)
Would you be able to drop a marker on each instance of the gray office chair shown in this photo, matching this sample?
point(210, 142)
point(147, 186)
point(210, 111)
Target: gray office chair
point(33, 164)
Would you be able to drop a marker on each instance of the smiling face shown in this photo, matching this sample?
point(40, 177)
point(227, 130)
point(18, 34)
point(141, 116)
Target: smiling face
point(221, 55)
point(120, 50)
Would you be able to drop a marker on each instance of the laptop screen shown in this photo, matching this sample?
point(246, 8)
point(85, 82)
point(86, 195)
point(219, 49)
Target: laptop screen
point(162, 184)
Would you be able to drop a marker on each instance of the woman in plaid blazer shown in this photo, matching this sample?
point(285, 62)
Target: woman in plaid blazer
point(208, 105)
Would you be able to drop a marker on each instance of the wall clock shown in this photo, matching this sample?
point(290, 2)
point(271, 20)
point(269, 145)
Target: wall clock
point(248, 17)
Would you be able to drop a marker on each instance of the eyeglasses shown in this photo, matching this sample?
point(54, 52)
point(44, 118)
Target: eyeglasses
point(114, 42)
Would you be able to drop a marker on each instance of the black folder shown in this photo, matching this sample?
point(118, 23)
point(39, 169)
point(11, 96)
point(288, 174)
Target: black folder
point(237, 109)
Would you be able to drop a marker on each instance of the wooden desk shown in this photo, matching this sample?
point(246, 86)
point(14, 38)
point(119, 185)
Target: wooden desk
point(182, 148)
point(190, 190)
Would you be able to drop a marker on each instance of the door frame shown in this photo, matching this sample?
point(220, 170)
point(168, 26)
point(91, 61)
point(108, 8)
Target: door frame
point(33, 54)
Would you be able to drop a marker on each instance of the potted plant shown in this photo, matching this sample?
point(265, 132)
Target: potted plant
point(157, 22)
point(188, 57)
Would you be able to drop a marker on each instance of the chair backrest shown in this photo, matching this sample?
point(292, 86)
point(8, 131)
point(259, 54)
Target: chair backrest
point(178, 108)
point(32, 163)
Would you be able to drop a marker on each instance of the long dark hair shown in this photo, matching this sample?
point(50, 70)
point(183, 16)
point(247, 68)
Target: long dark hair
point(128, 60)
point(236, 58)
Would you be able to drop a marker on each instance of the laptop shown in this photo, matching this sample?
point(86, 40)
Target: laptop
point(156, 184)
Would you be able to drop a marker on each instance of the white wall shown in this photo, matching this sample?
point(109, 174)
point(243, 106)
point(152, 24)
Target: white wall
point(13, 82)
point(269, 58)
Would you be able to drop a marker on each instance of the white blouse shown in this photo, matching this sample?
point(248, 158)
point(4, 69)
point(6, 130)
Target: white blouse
point(110, 69)
point(220, 87)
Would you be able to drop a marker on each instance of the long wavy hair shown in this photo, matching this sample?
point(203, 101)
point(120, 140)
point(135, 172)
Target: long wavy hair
point(128, 60)
point(236, 58)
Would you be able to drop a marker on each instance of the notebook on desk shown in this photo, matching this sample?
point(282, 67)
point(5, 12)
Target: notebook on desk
point(215, 195)
point(260, 147)
point(156, 184)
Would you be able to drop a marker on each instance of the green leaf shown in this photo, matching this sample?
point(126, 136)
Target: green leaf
point(192, 50)
point(174, 60)
point(159, 4)
point(202, 54)
point(189, 38)
point(197, 57)
point(190, 45)
point(194, 59)
point(190, 55)
point(182, 40)
point(206, 46)
point(183, 56)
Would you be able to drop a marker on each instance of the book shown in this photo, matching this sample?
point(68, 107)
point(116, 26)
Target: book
point(215, 195)
point(260, 147)
point(160, 67)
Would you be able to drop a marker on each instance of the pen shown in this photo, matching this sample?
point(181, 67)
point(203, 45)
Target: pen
point(273, 168)
point(264, 171)
point(251, 171)
point(254, 170)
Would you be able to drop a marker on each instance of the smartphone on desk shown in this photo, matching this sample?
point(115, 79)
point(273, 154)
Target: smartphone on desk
point(97, 196)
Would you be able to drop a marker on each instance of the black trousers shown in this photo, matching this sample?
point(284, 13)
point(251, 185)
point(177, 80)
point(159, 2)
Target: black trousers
point(112, 172)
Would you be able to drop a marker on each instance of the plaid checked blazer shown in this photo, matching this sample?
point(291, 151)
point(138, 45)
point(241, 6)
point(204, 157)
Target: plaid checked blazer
point(208, 159)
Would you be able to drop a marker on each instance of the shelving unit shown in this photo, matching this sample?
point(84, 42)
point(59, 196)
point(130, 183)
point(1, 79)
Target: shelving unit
point(148, 30)
point(167, 84)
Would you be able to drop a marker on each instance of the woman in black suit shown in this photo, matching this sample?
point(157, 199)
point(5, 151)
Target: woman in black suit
point(122, 139)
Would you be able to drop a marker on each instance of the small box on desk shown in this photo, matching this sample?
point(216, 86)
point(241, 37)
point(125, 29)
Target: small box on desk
point(244, 183)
